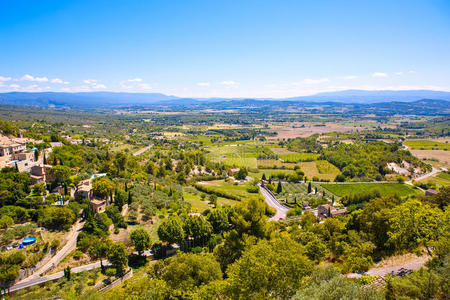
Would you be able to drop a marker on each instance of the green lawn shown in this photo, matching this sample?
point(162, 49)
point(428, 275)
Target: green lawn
point(430, 145)
point(193, 196)
point(440, 179)
point(359, 188)
point(444, 175)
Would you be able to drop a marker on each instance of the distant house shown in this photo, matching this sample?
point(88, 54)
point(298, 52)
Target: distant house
point(327, 211)
point(305, 204)
point(84, 190)
point(98, 205)
point(234, 171)
point(431, 192)
point(55, 144)
point(40, 173)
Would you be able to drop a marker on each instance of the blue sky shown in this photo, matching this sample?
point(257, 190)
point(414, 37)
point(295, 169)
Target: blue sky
point(224, 48)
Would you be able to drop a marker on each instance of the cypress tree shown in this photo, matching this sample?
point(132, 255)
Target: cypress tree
point(36, 154)
point(279, 188)
point(309, 187)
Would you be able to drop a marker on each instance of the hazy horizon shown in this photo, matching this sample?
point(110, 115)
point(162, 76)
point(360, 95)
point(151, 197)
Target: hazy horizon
point(251, 49)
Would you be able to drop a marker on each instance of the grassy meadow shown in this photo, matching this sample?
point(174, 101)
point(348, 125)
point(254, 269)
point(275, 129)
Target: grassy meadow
point(344, 189)
point(427, 145)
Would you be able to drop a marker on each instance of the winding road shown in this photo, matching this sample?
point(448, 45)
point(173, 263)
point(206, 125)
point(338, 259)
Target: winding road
point(55, 260)
point(273, 202)
point(39, 280)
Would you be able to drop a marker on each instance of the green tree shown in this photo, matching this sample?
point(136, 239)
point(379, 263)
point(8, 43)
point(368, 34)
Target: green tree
point(120, 199)
point(39, 189)
point(413, 223)
point(213, 199)
point(60, 173)
point(171, 230)
point(316, 250)
point(257, 274)
point(329, 284)
point(103, 187)
point(57, 217)
point(309, 187)
point(197, 227)
point(141, 240)
point(219, 219)
point(6, 221)
point(118, 256)
point(279, 187)
point(241, 174)
point(186, 272)
point(100, 249)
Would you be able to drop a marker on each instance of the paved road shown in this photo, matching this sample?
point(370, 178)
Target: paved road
point(68, 247)
point(433, 172)
point(273, 202)
point(39, 280)
point(139, 152)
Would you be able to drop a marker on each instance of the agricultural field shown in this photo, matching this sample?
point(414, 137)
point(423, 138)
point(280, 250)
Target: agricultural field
point(385, 189)
point(274, 163)
point(308, 129)
point(441, 157)
point(227, 189)
point(427, 145)
point(269, 173)
point(298, 157)
point(236, 155)
point(280, 150)
point(321, 169)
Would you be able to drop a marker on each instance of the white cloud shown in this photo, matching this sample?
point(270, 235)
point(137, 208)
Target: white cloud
point(98, 86)
point(349, 77)
point(144, 86)
point(93, 84)
point(379, 74)
point(399, 73)
point(135, 80)
point(14, 86)
point(229, 82)
point(90, 81)
point(59, 81)
point(412, 72)
point(310, 81)
point(56, 80)
point(29, 77)
point(203, 83)
point(5, 78)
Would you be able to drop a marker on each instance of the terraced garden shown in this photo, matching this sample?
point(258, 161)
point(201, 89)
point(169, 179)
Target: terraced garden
point(297, 192)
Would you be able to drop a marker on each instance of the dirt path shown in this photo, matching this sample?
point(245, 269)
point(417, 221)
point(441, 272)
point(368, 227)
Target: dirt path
point(142, 150)
point(393, 265)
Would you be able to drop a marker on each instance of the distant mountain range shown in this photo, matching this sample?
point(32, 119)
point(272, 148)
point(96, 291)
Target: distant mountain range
point(111, 99)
